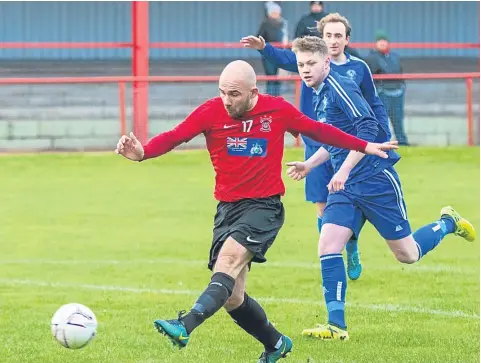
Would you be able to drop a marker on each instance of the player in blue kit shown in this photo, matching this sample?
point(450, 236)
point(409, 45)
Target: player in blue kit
point(336, 31)
point(362, 188)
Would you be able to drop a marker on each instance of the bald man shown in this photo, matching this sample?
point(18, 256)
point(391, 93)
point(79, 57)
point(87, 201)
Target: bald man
point(244, 131)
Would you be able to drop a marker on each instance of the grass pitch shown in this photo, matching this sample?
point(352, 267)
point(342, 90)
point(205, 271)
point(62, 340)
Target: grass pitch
point(131, 241)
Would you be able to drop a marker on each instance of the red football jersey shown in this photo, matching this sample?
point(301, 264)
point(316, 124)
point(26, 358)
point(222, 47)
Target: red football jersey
point(247, 153)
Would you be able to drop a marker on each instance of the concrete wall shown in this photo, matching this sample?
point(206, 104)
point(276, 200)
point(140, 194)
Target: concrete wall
point(87, 116)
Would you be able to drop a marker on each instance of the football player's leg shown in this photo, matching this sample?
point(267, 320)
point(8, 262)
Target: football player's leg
point(175, 329)
point(354, 266)
point(388, 214)
point(383, 204)
point(318, 192)
point(341, 218)
point(232, 259)
point(320, 206)
point(331, 243)
point(412, 248)
point(251, 317)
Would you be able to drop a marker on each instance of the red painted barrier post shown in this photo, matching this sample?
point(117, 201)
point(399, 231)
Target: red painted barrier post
point(140, 68)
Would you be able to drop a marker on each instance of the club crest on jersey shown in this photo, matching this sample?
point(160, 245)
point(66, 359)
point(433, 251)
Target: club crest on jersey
point(243, 146)
point(351, 73)
point(266, 123)
point(256, 149)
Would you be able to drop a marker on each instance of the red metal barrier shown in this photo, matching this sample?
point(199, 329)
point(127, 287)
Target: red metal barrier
point(122, 80)
point(358, 45)
point(219, 45)
point(62, 45)
point(140, 68)
point(197, 79)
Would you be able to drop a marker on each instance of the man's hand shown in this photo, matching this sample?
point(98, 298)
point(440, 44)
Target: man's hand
point(298, 170)
point(130, 147)
point(253, 42)
point(338, 181)
point(373, 148)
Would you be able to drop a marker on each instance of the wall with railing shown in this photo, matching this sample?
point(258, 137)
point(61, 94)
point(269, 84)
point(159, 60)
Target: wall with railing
point(85, 113)
point(90, 113)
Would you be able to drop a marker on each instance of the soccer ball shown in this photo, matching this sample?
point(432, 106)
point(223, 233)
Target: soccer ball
point(74, 325)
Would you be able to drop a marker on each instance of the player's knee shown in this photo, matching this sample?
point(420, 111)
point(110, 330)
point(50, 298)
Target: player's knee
point(332, 240)
point(408, 257)
point(230, 264)
point(226, 261)
point(326, 247)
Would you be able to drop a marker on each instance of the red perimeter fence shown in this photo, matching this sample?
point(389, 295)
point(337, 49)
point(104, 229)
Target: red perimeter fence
point(139, 78)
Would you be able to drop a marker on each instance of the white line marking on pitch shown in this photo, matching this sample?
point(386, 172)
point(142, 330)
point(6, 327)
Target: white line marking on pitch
point(288, 264)
point(267, 300)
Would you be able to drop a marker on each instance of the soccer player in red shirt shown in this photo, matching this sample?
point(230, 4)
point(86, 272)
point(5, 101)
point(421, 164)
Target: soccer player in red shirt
point(244, 131)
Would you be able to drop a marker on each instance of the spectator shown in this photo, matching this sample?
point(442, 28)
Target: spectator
point(391, 92)
point(308, 23)
point(272, 30)
point(269, 3)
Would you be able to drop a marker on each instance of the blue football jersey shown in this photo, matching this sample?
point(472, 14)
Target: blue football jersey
point(339, 102)
point(354, 68)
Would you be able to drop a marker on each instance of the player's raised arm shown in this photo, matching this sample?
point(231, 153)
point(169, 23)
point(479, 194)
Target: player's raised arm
point(192, 126)
point(297, 123)
point(283, 58)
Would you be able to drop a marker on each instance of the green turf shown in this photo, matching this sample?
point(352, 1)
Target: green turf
point(131, 241)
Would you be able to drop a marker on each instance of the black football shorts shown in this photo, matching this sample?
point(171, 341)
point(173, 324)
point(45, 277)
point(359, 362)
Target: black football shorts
point(254, 223)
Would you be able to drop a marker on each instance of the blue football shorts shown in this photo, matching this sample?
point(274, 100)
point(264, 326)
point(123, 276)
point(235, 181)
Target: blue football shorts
point(378, 199)
point(317, 180)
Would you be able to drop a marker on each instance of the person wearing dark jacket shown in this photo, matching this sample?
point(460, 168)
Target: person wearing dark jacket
point(308, 24)
point(391, 92)
point(272, 28)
